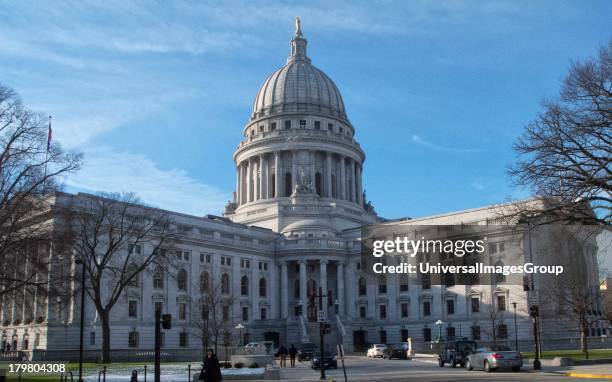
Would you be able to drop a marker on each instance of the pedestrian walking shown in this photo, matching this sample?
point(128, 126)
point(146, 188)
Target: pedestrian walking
point(292, 354)
point(282, 352)
point(211, 370)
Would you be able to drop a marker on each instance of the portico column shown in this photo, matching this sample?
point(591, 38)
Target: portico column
point(294, 171)
point(328, 175)
point(277, 174)
point(313, 170)
point(342, 178)
point(260, 176)
point(323, 281)
point(340, 276)
point(249, 170)
point(358, 171)
point(284, 291)
point(352, 168)
point(241, 184)
point(237, 191)
point(352, 288)
point(303, 291)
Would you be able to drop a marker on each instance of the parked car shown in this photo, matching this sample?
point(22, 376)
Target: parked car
point(305, 351)
point(329, 360)
point(376, 350)
point(494, 357)
point(399, 351)
point(455, 352)
point(253, 348)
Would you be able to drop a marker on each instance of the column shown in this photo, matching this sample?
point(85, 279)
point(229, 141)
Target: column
point(358, 171)
point(340, 276)
point(323, 281)
point(237, 193)
point(294, 171)
point(249, 171)
point(260, 176)
point(266, 176)
point(241, 184)
point(254, 292)
point(342, 178)
point(351, 292)
point(328, 175)
point(277, 174)
point(284, 300)
point(352, 169)
point(313, 170)
point(303, 291)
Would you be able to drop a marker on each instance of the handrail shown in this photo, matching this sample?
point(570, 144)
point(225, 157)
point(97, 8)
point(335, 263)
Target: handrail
point(340, 326)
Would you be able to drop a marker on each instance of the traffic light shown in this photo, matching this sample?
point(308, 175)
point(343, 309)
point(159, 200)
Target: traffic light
point(326, 328)
point(166, 321)
point(534, 311)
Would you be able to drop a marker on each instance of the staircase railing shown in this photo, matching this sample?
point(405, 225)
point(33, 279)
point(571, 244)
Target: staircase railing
point(303, 331)
point(340, 326)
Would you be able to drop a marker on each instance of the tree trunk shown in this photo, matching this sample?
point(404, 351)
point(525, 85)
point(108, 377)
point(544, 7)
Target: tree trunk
point(106, 333)
point(584, 345)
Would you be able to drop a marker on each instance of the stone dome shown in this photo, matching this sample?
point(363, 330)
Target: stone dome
point(298, 87)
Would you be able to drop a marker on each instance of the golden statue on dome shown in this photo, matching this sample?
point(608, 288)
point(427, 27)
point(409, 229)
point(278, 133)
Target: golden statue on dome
point(298, 29)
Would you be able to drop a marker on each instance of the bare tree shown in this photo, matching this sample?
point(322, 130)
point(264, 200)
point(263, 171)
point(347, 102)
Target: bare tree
point(213, 320)
point(492, 314)
point(30, 170)
point(116, 239)
point(565, 153)
point(607, 306)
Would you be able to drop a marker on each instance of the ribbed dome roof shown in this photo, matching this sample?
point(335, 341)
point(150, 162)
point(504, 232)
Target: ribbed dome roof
point(298, 87)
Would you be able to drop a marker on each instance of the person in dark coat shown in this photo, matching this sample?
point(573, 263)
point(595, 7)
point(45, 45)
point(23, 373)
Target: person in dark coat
point(292, 354)
point(282, 352)
point(211, 369)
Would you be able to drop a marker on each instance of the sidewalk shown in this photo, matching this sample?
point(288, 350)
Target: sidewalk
point(601, 371)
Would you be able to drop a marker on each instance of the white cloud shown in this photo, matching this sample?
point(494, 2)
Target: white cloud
point(434, 146)
point(109, 170)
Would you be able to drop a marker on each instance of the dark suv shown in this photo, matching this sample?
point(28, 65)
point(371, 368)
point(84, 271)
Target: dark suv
point(305, 351)
point(456, 352)
point(399, 351)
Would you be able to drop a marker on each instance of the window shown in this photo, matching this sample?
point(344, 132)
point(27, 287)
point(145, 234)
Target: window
point(204, 282)
point(133, 308)
point(362, 311)
point(450, 332)
point(186, 256)
point(340, 129)
point(475, 332)
point(382, 285)
point(499, 277)
point(158, 278)
point(427, 334)
point(92, 338)
point(403, 287)
point(182, 280)
point(426, 308)
point(133, 339)
point(135, 248)
point(261, 129)
point(502, 331)
point(426, 281)
point(183, 339)
point(206, 257)
point(245, 313)
point(263, 313)
point(330, 126)
point(287, 124)
point(492, 248)
point(382, 310)
point(383, 336)
point(475, 305)
point(502, 246)
point(245, 263)
point(450, 306)
point(403, 335)
point(225, 313)
point(263, 287)
point(273, 126)
point(501, 303)
point(244, 286)
point(205, 313)
point(362, 286)
point(225, 284)
point(449, 280)
point(317, 125)
point(226, 261)
point(404, 309)
point(182, 311)
point(132, 271)
point(302, 123)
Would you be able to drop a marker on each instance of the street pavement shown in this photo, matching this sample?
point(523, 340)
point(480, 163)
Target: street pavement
point(361, 368)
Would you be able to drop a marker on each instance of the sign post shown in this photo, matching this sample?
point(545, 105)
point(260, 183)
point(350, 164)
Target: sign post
point(341, 354)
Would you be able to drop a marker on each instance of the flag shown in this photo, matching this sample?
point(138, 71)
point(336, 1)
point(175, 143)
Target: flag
point(49, 135)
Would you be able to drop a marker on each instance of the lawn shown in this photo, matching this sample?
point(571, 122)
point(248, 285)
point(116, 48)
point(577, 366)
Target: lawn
point(576, 354)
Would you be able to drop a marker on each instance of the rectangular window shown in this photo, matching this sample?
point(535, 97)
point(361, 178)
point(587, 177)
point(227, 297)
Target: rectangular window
point(186, 256)
point(261, 129)
point(492, 248)
point(201, 257)
point(330, 126)
point(383, 336)
point(475, 305)
point(263, 314)
point(92, 338)
point(501, 303)
point(475, 332)
point(208, 258)
point(133, 308)
point(225, 313)
point(340, 129)
point(245, 263)
point(183, 339)
point(182, 313)
point(450, 306)
point(382, 287)
point(427, 334)
point(426, 308)
point(426, 281)
point(403, 335)
point(362, 311)
point(287, 124)
point(302, 124)
point(450, 332)
point(404, 309)
point(502, 246)
point(273, 126)
point(382, 312)
point(245, 313)
point(317, 125)
point(133, 339)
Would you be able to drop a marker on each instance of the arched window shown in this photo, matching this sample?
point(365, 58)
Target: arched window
point(204, 282)
point(263, 287)
point(499, 277)
point(182, 280)
point(296, 289)
point(132, 271)
point(288, 184)
point(362, 286)
point(244, 286)
point(225, 284)
point(158, 278)
point(318, 184)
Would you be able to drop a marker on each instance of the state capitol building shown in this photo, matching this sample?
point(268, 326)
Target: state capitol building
point(294, 226)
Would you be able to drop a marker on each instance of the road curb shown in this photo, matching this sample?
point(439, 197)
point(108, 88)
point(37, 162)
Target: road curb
point(587, 375)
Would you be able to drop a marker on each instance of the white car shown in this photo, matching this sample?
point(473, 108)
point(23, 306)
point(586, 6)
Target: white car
point(253, 348)
point(376, 350)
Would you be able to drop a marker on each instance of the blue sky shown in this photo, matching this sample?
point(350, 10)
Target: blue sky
point(156, 93)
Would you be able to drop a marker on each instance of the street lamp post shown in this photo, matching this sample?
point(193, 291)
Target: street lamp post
point(239, 327)
point(515, 329)
point(439, 324)
point(533, 306)
point(82, 323)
